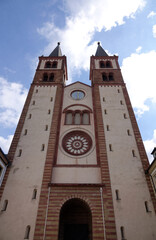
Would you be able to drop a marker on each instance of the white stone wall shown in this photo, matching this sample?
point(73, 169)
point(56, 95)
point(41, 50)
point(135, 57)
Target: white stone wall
point(77, 174)
point(27, 171)
point(126, 172)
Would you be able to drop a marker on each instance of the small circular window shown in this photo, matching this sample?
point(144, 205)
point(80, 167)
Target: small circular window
point(77, 95)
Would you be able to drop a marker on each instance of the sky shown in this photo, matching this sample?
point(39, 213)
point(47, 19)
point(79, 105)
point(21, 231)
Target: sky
point(30, 28)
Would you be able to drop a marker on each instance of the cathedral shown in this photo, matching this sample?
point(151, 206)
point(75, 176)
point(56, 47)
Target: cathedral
point(77, 162)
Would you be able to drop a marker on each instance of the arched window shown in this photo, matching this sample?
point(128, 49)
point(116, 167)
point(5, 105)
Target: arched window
point(102, 64)
point(45, 77)
point(69, 118)
point(54, 64)
point(48, 64)
point(104, 77)
point(85, 118)
point(108, 64)
point(27, 232)
point(77, 118)
point(111, 77)
point(51, 78)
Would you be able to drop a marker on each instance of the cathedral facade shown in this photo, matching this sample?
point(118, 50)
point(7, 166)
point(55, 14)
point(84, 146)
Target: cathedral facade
point(77, 160)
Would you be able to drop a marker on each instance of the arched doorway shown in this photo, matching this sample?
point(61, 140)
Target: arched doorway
point(75, 221)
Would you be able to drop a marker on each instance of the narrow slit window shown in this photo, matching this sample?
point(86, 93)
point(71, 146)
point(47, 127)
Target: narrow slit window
point(104, 99)
point(107, 127)
point(49, 111)
point(122, 233)
point(147, 206)
point(128, 132)
point(125, 116)
point(105, 111)
point(117, 194)
point(25, 132)
point(34, 194)
point(36, 90)
point(133, 153)
point(19, 152)
point(5, 204)
point(33, 103)
point(51, 99)
point(46, 127)
point(29, 117)
point(121, 102)
point(118, 90)
point(42, 148)
point(110, 147)
point(27, 232)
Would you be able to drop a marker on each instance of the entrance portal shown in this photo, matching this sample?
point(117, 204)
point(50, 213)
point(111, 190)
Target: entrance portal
point(76, 232)
point(75, 221)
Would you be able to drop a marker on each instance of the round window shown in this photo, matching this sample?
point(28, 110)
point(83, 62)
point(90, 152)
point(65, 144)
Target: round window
point(77, 95)
point(77, 143)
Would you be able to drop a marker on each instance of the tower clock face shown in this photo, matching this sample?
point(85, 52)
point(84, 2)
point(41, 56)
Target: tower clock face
point(77, 143)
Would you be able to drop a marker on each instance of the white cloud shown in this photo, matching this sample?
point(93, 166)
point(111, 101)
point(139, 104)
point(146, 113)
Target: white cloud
point(12, 97)
point(9, 70)
point(151, 14)
point(150, 145)
point(5, 143)
point(139, 73)
point(84, 19)
point(138, 49)
point(154, 31)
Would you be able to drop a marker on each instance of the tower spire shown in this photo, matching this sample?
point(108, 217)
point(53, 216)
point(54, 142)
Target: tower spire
point(56, 52)
point(100, 52)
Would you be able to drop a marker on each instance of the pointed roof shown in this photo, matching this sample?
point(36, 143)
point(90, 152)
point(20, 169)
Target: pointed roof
point(100, 52)
point(56, 52)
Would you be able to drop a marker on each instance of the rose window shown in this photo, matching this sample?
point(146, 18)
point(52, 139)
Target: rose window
point(77, 143)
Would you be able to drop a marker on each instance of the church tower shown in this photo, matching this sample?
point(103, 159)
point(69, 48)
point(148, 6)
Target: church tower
point(77, 160)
